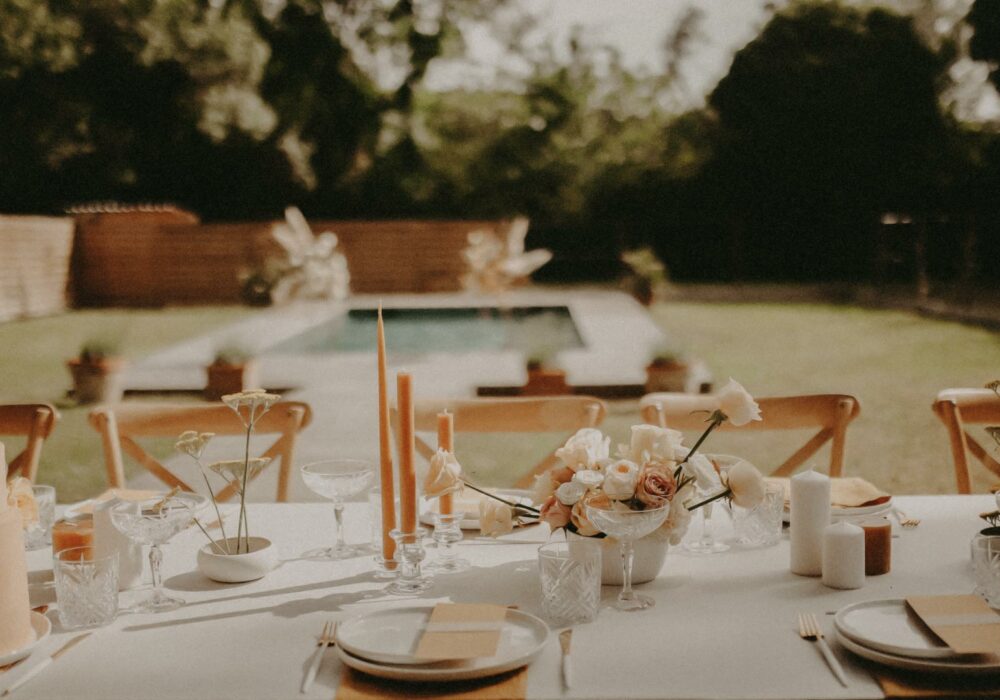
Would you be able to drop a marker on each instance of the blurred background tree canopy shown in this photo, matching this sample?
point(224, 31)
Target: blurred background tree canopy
point(834, 120)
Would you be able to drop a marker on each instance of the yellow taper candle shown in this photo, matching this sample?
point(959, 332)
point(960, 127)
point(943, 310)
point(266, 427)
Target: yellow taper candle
point(446, 441)
point(407, 468)
point(388, 485)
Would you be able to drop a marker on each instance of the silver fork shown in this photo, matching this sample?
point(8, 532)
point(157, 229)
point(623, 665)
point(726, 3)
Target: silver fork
point(904, 520)
point(809, 629)
point(325, 640)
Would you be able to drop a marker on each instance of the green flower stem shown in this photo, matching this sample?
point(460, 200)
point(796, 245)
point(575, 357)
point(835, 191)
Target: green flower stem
point(722, 494)
point(529, 509)
point(244, 526)
point(210, 540)
point(718, 417)
point(215, 503)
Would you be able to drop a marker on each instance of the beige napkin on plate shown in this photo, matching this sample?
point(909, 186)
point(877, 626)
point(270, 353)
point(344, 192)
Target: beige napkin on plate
point(355, 685)
point(845, 492)
point(896, 683)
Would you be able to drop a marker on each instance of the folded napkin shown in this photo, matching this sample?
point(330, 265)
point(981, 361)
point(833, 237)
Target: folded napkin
point(896, 683)
point(845, 492)
point(360, 686)
point(964, 622)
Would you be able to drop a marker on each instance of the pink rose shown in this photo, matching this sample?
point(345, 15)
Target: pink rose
point(561, 475)
point(656, 485)
point(555, 513)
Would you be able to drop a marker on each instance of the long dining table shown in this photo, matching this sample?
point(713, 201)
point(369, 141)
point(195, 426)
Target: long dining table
point(724, 625)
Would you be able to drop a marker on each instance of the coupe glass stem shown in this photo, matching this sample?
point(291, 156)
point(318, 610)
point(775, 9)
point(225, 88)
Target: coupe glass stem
point(338, 512)
point(707, 534)
point(626, 594)
point(155, 558)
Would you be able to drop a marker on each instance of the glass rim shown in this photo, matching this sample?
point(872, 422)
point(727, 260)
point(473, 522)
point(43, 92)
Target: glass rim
point(644, 511)
point(57, 555)
point(44, 487)
point(364, 465)
point(555, 549)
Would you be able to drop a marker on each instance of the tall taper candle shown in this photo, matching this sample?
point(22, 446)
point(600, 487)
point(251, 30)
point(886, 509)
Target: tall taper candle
point(407, 468)
point(808, 516)
point(388, 486)
point(446, 441)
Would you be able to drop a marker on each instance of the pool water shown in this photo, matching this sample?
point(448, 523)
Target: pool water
point(528, 329)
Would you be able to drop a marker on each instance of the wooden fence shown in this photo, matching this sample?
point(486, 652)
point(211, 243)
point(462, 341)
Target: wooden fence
point(34, 265)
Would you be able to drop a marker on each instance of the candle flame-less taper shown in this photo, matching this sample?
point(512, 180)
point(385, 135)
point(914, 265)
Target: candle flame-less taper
point(388, 486)
point(446, 442)
point(407, 467)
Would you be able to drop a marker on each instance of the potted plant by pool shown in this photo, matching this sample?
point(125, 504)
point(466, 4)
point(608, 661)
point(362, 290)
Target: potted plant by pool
point(241, 558)
point(544, 377)
point(98, 373)
point(667, 371)
point(232, 370)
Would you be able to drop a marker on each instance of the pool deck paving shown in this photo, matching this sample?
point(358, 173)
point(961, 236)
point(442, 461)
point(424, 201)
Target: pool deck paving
point(617, 333)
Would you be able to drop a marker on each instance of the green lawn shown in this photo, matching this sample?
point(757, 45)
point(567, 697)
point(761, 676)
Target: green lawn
point(894, 362)
point(34, 369)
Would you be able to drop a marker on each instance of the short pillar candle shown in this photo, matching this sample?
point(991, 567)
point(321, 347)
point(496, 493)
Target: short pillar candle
point(843, 556)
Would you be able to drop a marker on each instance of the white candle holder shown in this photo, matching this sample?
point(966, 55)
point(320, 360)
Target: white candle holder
point(409, 553)
point(447, 533)
point(385, 568)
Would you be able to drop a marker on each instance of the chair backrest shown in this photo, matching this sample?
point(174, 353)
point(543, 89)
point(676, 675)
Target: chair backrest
point(33, 421)
point(830, 413)
point(957, 408)
point(121, 424)
point(507, 415)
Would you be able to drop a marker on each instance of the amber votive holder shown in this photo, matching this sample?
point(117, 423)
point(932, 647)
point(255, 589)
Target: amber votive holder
point(878, 545)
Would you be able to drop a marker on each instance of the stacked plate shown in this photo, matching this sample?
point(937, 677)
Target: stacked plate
point(887, 632)
point(838, 513)
point(381, 643)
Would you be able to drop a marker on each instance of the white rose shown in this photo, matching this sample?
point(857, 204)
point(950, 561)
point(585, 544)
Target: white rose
point(653, 442)
point(495, 518)
point(444, 475)
point(679, 517)
point(620, 479)
point(570, 492)
point(737, 404)
point(584, 448)
point(705, 476)
point(746, 485)
point(590, 478)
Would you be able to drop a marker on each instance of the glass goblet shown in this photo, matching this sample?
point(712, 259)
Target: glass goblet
point(338, 480)
point(154, 522)
point(626, 526)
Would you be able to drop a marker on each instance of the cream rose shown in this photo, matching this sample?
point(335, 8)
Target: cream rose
point(620, 479)
point(570, 492)
point(590, 478)
point(584, 449)
point(495, 518)
point(737, 404)
point(705, 476)
point(655, 486)
point(554, 513)
point(543, 489)
point(679, 517)
point(444, 475)
point(652, 442)
point(746, 485)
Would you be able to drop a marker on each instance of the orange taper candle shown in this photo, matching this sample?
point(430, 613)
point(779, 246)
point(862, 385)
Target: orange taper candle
point(407, 468)
point(388, 485)
point(446, 441)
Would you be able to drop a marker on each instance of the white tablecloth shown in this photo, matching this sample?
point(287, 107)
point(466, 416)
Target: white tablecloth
point(723, 627)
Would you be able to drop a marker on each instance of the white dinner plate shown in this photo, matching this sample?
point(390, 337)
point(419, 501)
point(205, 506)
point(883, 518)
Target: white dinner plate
point(889, 626)
point(381, 643)
point(471, 519)
point(840, 512)
point(41, 627)
point(965, 665)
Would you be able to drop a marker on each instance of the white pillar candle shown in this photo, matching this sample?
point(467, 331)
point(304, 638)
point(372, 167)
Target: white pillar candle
point(843, 556)
point(809, 514)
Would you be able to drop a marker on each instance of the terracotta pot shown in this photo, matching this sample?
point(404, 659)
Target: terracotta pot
point(230, 379)
point(238, 568)
point(100, 381)
point(546, 382)
point(650, 553)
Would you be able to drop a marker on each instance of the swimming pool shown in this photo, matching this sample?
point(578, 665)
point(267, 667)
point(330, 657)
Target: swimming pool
point(528, 329)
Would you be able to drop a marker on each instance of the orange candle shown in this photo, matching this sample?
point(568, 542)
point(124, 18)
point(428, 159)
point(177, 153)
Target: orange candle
point(385, 449)
point(72, 533)
point(446, 441)
point(407, 468)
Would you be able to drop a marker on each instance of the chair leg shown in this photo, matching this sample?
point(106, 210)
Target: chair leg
point(108, 428)
point(948, 413)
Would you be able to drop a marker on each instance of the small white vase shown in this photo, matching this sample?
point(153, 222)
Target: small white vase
point(650, 553)
point(238, 568)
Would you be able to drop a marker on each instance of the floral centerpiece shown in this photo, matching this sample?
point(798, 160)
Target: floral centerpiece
point(250, 406)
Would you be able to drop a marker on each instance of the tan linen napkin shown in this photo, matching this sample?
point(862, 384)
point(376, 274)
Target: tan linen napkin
point(845, 492)
point(964, 622)
point(897, 683)
point(355, 685)
point(124, 494)
point(461, 631)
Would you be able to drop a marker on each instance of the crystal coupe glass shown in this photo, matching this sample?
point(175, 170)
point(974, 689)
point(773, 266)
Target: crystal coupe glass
point(338, 480)
point(626, 526)
point(154, 523)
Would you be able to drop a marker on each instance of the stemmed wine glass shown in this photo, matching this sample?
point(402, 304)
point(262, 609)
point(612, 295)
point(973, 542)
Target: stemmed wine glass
point(626, 526)
point(338, 479)
point(154, 521)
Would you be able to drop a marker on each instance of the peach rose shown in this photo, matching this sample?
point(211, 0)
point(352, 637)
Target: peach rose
point(656, 485)
point(578, 515)
point(561, 475)
point(555, 513)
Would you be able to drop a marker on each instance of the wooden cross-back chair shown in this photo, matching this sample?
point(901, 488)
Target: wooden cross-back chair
point(960, 407)
point(830, 413)
point(33, 421)
point(121, 424)
point(549, 414)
